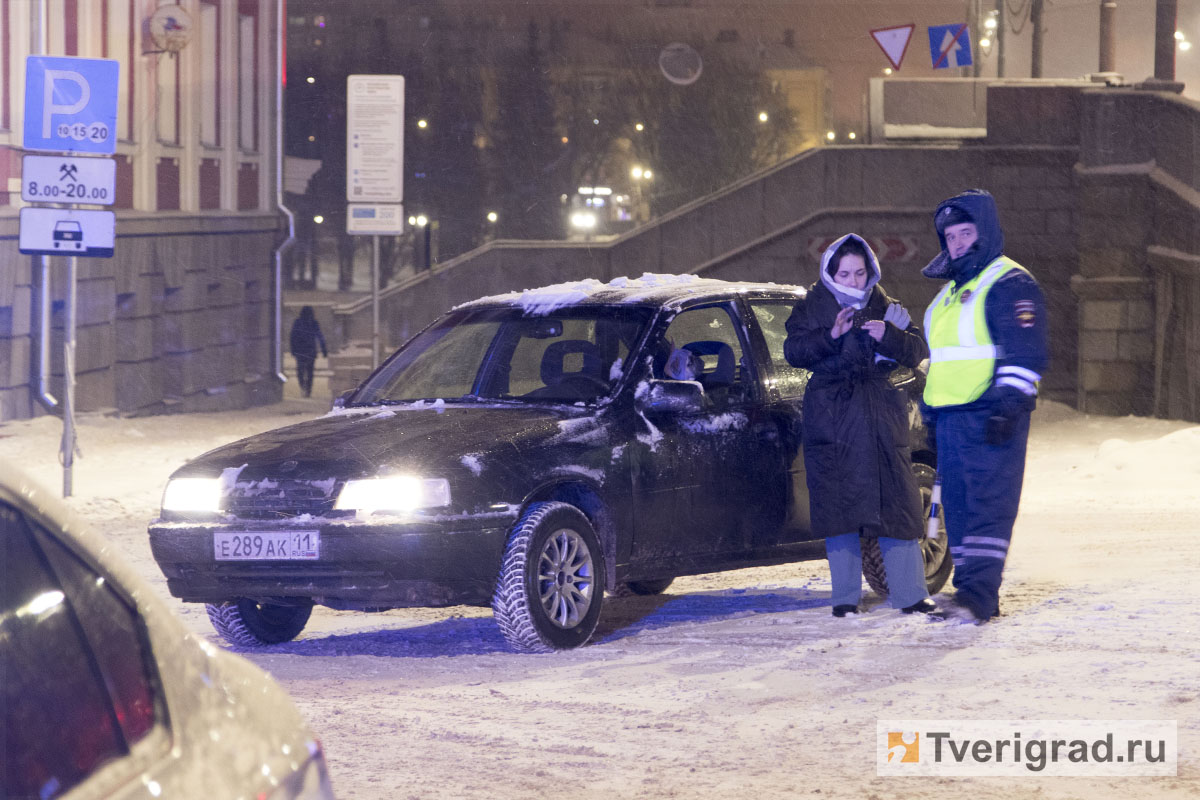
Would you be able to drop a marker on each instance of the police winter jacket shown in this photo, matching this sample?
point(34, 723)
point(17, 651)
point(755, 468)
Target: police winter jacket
point(856, 453)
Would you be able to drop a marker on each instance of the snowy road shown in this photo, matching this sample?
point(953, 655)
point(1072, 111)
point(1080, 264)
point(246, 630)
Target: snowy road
point(738, 684)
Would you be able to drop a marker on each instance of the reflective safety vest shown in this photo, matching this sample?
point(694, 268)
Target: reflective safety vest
point(962, 355)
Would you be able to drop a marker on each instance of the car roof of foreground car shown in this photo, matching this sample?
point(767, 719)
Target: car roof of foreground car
point(650, 289)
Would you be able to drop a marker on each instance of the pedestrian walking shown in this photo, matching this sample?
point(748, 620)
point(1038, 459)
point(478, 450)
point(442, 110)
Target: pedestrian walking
point(306, 335)
point(851, 335)
point(986, 330)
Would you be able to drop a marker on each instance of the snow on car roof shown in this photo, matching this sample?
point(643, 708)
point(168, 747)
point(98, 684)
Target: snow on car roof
point(652, 288)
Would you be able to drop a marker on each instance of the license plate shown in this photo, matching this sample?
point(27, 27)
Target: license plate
point(267, 545)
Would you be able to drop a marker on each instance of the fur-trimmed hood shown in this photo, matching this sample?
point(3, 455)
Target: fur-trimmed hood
point(980, 206)
point(847, 295)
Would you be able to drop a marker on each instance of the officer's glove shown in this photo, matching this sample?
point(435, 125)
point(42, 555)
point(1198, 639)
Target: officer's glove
point(1007, 407)
point(897, 315)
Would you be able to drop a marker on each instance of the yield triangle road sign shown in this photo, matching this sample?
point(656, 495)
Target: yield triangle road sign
point(893, 42)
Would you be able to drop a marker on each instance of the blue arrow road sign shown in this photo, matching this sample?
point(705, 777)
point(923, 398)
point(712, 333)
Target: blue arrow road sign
point(950, 45)
point(71, 104)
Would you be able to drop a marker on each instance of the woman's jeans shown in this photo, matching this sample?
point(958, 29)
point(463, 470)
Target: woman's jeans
point(902, 561)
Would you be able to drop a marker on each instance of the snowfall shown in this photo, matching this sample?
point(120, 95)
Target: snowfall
point(739, 684)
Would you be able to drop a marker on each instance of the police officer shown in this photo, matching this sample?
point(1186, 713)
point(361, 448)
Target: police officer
point(986, 330)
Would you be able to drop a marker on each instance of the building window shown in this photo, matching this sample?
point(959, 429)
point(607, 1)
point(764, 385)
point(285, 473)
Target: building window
point(5, 119)
point(117, 39)
point(167, 73)
point(210, 73)
point(71, 27)
point(247, 77)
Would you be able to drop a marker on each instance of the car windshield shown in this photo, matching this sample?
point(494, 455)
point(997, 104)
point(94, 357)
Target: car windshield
point(571, 356)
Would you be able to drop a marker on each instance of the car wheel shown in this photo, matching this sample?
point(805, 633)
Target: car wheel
point(936, 552)
point(252, 624)
point(551, 583)
point(650, 587)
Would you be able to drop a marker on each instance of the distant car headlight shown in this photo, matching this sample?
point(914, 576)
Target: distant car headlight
point(395, 493)
point(192, 494)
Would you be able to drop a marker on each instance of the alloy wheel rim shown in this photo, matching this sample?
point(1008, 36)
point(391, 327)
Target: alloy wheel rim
point(566, 583)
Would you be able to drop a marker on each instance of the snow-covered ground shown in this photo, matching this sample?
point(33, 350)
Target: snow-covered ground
point(738, 684)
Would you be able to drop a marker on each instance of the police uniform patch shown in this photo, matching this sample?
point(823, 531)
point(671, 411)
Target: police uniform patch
point(966, 295)
point(1024, 313)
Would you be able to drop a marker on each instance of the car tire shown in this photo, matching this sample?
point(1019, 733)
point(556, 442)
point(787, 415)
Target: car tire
point(252, 624)
point(650, 587)
point(936, 552)
point(556, 608)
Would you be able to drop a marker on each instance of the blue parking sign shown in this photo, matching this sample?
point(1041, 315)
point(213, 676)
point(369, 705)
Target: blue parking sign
point(71, 104)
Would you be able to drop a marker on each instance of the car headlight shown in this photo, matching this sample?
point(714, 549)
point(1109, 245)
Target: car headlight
point(192, 494)
point(397, 493)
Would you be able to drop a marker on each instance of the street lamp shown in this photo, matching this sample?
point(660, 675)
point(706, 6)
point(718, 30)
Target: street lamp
point(492, 216)
point(422, 124)
point(762, 116)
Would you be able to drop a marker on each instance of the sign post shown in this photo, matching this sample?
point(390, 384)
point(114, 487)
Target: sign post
point(70, 107)
point(375, 169)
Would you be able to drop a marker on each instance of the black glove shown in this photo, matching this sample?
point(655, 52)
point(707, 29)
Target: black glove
point(999, 428)
point(929, 419)
point(1007, 408)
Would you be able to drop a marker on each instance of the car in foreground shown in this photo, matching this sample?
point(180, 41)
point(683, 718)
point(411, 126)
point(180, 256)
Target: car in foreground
point(528, 451)
point(105, 692)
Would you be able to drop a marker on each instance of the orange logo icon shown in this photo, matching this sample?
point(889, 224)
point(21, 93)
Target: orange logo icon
point(904, 747)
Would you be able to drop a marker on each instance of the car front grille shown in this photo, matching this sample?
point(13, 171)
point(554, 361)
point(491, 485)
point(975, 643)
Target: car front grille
point(282, 498)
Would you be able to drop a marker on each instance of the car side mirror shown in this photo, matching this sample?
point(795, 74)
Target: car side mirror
point(908, 379)
point(675, 397)
point(343, 398)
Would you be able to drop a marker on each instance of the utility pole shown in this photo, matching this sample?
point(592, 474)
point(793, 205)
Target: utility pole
point(1164, 40)
point(1036, 37)
point(1001, 24)
point(1108, 35)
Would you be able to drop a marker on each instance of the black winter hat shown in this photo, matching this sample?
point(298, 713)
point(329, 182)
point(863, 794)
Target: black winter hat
point(952, 215)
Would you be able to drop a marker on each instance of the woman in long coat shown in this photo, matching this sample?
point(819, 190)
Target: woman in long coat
point(850, 334)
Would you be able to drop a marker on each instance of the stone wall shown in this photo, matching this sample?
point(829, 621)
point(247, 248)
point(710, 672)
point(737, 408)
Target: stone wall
point(1138, 182)
point(178, 320)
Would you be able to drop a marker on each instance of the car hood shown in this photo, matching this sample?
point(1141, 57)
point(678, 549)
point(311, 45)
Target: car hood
point(431, 439)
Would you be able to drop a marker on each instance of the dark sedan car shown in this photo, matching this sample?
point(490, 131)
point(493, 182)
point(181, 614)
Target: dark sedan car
point(527, 451)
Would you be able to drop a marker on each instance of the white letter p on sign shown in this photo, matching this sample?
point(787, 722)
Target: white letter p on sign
point(50, 108)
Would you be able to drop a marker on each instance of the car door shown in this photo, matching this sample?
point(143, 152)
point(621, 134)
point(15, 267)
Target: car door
point(707, 479)
point(80, 693)
point(784, 385)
